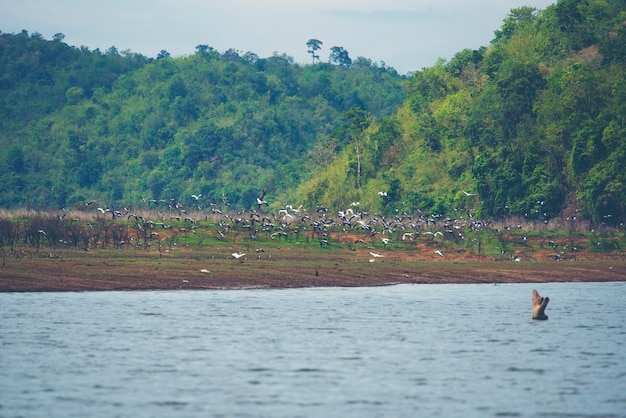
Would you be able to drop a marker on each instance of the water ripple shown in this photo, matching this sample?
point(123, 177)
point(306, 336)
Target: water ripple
point(406, 350)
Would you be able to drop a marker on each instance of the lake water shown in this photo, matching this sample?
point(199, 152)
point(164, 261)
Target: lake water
point(397, 351)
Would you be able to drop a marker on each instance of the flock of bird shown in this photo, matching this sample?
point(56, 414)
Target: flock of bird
point(373, 231)
point(354, 226)
point(373, 234)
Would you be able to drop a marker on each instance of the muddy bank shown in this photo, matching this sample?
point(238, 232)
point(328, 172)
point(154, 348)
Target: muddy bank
point(289, 267)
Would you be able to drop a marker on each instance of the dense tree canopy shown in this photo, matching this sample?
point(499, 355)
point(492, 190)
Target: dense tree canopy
point(126, 129)
point(532, 124)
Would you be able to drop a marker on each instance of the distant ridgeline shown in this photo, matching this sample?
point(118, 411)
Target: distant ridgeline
point(532, 125)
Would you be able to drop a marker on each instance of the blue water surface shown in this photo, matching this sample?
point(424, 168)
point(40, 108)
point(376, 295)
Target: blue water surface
point(396, 351)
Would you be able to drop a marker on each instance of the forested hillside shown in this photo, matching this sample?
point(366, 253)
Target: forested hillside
point(533, 125)
point(36, 75)
point(123, 129)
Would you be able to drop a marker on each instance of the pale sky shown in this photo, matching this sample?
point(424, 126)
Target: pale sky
point(407, 35)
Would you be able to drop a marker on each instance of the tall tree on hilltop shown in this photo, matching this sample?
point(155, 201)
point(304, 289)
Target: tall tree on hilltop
point(339, 56)
point(163, 54)
point(314, 45)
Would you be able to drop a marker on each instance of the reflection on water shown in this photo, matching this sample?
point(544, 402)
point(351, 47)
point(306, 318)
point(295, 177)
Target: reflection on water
point(407, 350)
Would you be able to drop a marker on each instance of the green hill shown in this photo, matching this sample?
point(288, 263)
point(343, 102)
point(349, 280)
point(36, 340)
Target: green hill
point(531, 125)
point(123, 129)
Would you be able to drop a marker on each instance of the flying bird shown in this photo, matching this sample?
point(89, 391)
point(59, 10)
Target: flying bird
point(468, 193)
point(259, 200)
point(408, 235)
point(238, 255)
point(376, 255)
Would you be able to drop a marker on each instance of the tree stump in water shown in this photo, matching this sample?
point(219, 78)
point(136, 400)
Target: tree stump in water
point(539, 306)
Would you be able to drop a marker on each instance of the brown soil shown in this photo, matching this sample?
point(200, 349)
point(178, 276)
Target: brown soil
point(292, 266)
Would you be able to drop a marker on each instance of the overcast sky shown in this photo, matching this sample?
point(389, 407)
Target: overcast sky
point(407, 35)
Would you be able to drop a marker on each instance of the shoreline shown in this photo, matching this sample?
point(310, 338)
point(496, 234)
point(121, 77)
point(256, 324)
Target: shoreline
point(111, 270)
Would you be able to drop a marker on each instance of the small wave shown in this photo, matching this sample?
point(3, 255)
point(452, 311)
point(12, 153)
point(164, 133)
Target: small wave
point(363, 402)
point(542, 350)
point(175, 404)
point(259, 369)
point(520, 369)
point(309, 370)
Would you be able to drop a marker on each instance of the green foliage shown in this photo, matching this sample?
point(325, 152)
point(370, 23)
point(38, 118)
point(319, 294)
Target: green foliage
point(339, 56)
point(38, 76)
point(532, 125)
point(210, 123)
point(516, 19)
point(15, 160)
point(314, 45)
